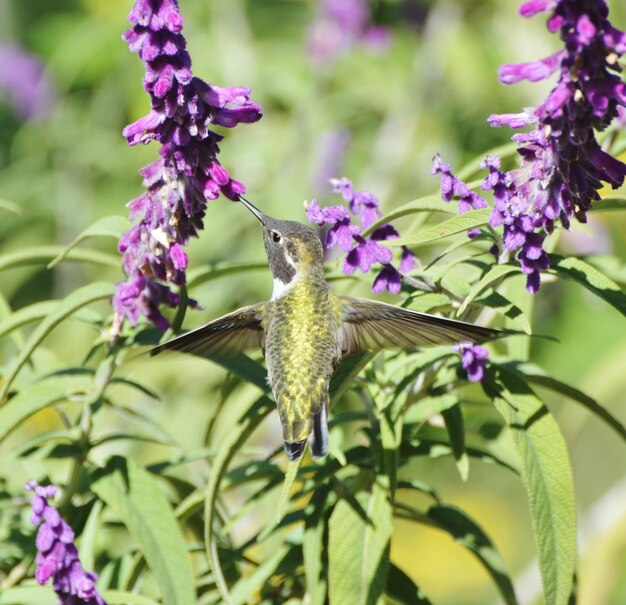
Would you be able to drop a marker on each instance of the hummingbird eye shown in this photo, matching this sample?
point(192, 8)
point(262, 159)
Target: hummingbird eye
point(275, 236)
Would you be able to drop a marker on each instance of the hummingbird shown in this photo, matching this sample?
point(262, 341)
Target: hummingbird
point(305, 329)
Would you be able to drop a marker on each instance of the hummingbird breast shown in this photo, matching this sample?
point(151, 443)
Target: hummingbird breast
point(301, 352)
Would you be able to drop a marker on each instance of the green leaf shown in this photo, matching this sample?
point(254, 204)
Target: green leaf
point(427, 407)
point(28, 595)
point(26, 315)
point(248, 419)
point(245, 368)
point(579, 271)
point(470, 535)
point(402, 589)
point(215, 271)
point(453, 417)
point(244, 590)
point(495, 274)
point(457, 224)
point(313, 550)
point(358, 548)
point(573, 393)
point(349, 368)
point(122, 597)
point(43, 254)
point(547, 476)
point(108, 226)
point(10, 206)
point(283, 500)
point(428, 203)
point(69, 305)
point(136, 497)
point(608, 204)
point(37, 397)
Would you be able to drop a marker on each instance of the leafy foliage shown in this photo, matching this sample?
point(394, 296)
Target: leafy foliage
point(171, 471)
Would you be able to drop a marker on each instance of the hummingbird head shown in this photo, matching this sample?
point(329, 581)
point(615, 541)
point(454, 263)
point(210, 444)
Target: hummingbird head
point(293, 249)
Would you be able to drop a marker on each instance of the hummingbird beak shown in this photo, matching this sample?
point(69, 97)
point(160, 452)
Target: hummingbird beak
point(253, 209)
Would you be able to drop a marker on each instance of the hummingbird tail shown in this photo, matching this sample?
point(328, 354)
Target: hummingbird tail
point(320, 433)
point(295, 449)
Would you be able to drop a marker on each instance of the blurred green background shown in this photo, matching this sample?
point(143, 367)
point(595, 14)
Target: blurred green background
point(391, 111)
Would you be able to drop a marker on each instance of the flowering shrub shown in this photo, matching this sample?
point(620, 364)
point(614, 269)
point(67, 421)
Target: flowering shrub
point(172, 483)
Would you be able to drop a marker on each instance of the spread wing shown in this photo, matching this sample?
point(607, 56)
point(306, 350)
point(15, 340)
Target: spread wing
point(228, 335)
point(371, 325)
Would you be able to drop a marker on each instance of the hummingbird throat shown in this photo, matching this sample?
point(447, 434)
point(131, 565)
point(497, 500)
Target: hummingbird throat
point(284, 272)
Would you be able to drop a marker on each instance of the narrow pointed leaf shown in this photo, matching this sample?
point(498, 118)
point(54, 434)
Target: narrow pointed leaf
point(358, 548)
point(122, 597)
point(452, 226)
point(43, 254)
point(136, 497)
point(547, 476)
point(69, 305)
point(579, 271)
point(495, 274)
point(107, 226)
point(402, 589)
point(37, 397)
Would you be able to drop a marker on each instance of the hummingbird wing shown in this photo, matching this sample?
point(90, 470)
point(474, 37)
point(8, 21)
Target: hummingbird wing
point(226, 336)
point(371, 325)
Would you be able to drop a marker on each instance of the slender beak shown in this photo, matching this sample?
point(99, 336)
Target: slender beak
point(253, 209)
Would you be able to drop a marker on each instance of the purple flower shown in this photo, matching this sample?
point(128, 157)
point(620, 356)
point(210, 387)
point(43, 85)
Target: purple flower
point(57, 557)
point(172, 208)
point(451, 186)
point(562, 163)
point(473, 360)
point(362, 253)
point(339, 25)
point(25, 83)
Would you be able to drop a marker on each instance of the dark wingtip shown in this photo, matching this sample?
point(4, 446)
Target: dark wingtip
point(295, 449)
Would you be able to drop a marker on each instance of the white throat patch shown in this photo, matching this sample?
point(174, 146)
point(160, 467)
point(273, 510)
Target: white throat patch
point(281, 288)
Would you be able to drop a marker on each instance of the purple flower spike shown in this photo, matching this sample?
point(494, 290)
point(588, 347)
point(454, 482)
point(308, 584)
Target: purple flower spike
point(57, 557)
point(187, 174)
point(473, 360)
point(451, 187)
point(362, 253)
point(562, 163)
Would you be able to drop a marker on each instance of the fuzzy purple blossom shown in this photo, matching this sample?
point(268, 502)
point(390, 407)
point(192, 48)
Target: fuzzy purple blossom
point(473, 359)
point(339, 25)
point(563, 165)
point(25, 83)
point(451, 186)
point(362, 253)
point(57, 557)
point(187, 174)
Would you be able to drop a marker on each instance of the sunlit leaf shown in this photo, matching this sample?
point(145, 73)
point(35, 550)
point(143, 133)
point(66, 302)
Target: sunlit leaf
point(452, 226)
point(37, 397)
point(136, 497)
point(107, 226)
point(122, 597)
point(28, 595)
point(547, 476)
point(201, 275)
point(313, 551)
point(250, 417)
point(358, 547)
point(43, 254)
point(69, 305)
point(579, 271)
